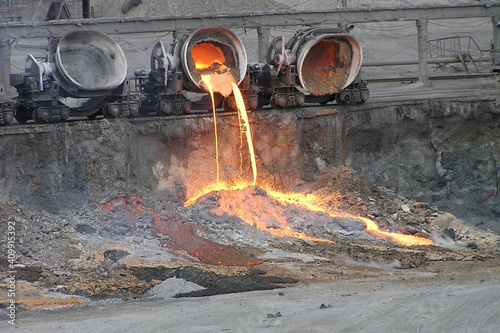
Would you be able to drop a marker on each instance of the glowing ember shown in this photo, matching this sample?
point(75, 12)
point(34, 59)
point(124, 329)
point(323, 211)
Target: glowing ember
point(134, 203)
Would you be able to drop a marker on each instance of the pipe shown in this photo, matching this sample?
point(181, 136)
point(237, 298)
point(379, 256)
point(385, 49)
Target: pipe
point(446, 60)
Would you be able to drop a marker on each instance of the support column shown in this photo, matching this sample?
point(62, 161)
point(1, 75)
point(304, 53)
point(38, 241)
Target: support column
point(495, 47)
point(423, 71)
point(263, 42)
point(5, 53)
point(86, 9)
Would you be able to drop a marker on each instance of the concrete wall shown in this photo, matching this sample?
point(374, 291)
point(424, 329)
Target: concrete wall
point(443, 152)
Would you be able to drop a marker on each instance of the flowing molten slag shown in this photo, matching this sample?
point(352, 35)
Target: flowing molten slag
point(245, 128)
point(210, 61)
point(206, 54)
point(317, 204)
point(216, 77)
point(236, 197)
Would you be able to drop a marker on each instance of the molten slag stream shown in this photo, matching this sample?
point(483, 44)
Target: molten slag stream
point(209, 59)
point(316, 204)
point(245, 128)
point(206, 79)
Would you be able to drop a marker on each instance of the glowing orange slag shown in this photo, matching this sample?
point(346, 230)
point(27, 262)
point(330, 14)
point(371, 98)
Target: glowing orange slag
point(206, 54)
point(210, 60)
point(317, 204)
point(255, 208)
point(245, 128)
point(234, 194)
point(206, 79)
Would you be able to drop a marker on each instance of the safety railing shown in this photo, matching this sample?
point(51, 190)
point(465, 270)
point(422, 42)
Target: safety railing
point(463, 48)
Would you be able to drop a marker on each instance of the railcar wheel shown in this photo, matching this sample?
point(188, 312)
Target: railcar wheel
point(22, 114)
point(341, 101)
point(111, 111)
point(164, 108)
point(64, 113)
point(186, 106)
point(364, 96)
point(134, 110)
point(7, 117)
point(229, 104)
point(42, 115)
point(177, 109)
point(278, 101)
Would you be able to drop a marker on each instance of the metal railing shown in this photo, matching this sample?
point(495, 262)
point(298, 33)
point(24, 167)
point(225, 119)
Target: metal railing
point(463, 48)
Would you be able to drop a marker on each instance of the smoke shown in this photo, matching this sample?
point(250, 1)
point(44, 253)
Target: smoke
point(396, 264)
point(443, 240)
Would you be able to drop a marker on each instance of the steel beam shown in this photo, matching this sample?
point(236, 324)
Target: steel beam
point(264, 21)
point(111, 26)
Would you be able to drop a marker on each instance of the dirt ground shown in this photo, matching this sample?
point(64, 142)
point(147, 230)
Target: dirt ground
point(125, 253)
point(438, 299)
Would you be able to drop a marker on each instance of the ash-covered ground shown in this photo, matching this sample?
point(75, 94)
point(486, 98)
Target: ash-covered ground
point(128, 247)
